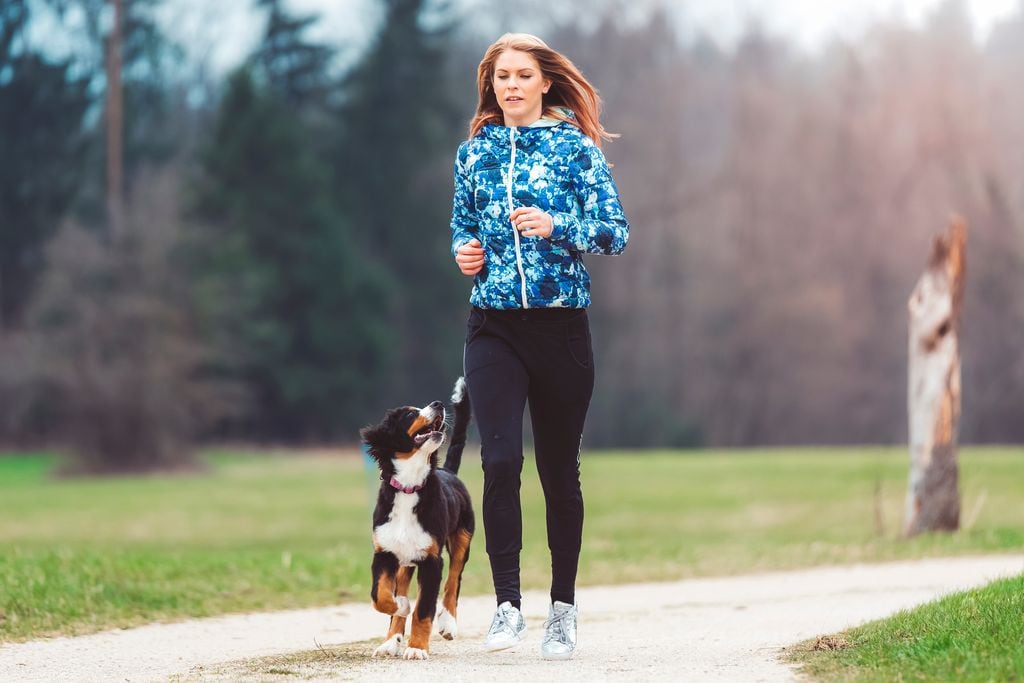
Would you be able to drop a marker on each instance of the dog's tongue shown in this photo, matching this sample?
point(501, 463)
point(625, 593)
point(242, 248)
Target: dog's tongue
point(422, 438)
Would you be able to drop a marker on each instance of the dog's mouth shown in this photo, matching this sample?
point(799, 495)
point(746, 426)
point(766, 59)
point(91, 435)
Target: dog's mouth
point(429, 430)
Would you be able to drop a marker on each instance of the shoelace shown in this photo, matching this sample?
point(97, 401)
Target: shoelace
point(556, 624)
point(502, 621)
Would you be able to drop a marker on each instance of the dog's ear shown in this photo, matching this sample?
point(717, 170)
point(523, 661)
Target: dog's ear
point(376, 439)
point(386, 439)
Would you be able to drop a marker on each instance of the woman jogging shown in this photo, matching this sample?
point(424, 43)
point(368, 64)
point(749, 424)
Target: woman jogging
point(533, 194)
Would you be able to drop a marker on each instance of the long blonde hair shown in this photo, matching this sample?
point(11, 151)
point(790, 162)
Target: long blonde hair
point(569, 88)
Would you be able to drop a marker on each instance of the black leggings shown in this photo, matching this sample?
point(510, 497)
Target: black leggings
point(543, 356)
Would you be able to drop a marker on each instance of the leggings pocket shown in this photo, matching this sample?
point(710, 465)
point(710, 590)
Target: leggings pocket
point(578, 341)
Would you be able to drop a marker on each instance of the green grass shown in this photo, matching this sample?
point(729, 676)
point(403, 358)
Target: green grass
point(977, 635)
point(259, 532)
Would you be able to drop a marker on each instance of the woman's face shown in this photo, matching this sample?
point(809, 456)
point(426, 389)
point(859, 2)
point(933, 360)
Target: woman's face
point(518, 85)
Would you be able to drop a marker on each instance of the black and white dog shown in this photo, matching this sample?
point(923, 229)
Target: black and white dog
point(420, 510)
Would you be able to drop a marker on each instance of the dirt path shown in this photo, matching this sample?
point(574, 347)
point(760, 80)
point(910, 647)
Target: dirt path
point(700, 629)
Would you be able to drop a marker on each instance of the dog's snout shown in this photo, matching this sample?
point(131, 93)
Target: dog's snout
point(436, 405)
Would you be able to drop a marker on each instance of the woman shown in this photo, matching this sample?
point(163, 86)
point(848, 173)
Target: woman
point(532, 195)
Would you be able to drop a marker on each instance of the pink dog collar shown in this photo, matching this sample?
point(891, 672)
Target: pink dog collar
point(395, 484)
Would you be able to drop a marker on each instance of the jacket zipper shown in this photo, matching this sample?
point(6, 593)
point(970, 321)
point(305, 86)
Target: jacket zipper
point(515, 232)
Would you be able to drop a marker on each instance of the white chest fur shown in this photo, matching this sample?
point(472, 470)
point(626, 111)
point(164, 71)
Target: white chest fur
point(402, 534)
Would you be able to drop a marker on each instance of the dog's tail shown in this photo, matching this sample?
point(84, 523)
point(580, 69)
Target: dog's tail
point(463, 412)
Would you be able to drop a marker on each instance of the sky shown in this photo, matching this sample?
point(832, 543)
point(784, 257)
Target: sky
point(812, 22)
point(223, 32)
point(809, 22)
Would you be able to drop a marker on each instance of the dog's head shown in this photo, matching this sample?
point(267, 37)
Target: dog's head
point(405, 433)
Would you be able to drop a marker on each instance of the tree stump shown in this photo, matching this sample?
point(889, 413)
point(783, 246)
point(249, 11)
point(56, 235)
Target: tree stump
point(933, 401)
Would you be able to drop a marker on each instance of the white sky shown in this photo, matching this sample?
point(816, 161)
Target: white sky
point(811, 22)
point(225, 30)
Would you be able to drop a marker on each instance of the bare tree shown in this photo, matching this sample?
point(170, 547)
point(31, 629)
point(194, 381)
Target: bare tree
point(116, 345)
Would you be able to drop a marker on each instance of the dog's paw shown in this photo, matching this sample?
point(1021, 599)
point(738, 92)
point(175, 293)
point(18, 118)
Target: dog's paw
point(403, 609)
point(446, 626)
point(392, 647)
point(415, 653)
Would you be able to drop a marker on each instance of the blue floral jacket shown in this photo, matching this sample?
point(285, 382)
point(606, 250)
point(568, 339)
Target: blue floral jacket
point(552, 165)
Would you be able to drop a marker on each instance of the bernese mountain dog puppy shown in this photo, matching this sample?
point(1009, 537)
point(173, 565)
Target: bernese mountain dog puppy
point(420, 510)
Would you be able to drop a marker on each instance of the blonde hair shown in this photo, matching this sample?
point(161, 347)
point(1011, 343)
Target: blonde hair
point(569, 88)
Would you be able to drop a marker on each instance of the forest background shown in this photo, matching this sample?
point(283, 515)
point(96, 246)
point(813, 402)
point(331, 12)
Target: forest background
point(281, 271)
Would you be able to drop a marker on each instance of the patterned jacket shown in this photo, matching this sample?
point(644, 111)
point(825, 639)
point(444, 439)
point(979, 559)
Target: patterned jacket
point(552, 165)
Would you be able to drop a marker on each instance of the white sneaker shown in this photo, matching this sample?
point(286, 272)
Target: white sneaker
point(507, 629)
point(559, 632)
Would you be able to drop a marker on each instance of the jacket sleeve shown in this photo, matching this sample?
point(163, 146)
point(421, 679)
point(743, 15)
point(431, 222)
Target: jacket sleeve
point(603, 228)
point(464, 224)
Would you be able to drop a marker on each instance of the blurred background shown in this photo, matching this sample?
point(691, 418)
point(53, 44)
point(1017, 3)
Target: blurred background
point(247, 240)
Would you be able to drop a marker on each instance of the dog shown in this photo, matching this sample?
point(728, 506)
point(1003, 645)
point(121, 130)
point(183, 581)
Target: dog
point(421, 509)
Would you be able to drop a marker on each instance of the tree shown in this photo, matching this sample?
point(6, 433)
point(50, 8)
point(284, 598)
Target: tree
point(933, 493)
point(393, 171)
point(295, 70)
point(290, 302)
point(108, 331)
point(42, 106)
point(120, 49)
point(115, 124)
point(113, 347)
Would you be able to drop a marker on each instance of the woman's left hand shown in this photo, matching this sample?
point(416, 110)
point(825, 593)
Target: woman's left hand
point(532, 222)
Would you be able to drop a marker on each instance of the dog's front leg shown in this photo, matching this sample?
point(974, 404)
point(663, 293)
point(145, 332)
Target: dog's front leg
point(429, 581)
point(382, 592)
point(394, 644)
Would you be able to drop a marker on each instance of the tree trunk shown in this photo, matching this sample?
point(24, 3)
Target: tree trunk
point(115, 125)
point(933, 497)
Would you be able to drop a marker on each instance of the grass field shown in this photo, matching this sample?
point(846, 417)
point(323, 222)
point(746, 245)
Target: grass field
point(259, 532)
point(977, 635)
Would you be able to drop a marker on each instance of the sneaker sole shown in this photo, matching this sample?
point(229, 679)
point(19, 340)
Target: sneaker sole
point(504, 646)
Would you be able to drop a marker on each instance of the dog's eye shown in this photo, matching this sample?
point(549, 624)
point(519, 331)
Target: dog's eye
point(408, 419)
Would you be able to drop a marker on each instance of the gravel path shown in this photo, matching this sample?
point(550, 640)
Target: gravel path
point(700, 629)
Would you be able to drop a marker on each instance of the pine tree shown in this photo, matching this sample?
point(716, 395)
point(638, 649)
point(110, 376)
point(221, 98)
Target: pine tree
point(41, 147)
point(291, 301)
point(295, 70)
point(394, 172)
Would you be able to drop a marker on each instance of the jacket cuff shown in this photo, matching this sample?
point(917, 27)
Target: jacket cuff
point(562, 225)
point(458, 243)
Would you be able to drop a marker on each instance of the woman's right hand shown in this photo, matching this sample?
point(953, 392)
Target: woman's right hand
point(470, 257)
